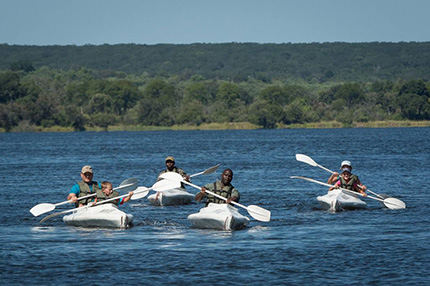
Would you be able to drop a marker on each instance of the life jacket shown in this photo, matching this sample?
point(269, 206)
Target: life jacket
point(102, 197)
point(350, 184)
point(224, 193)
point(85, 191)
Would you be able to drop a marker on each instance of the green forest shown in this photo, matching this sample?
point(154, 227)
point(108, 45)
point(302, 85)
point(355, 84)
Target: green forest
point(265, 85)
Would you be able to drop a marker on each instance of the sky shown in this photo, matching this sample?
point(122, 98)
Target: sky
point(98, 22)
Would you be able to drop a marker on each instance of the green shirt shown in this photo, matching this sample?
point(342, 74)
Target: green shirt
point(225, 191)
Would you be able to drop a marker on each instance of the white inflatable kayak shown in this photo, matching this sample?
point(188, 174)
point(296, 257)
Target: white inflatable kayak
point(104, 216)
point(219, 216)
point(178, 196)
point(336, 200)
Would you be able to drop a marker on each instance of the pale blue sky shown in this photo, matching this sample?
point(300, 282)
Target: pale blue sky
point(80, 22)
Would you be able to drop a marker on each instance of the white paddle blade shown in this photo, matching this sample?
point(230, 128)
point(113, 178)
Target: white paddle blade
point(306, 159)
point(128, 185)
point(259, 213)
point(140, 192)
point(131, 181)
point(394, 204)
point(165, 185)
point(42, 208)
point(171, 176)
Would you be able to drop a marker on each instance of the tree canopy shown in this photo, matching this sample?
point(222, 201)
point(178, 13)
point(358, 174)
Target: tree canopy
point(163, 85)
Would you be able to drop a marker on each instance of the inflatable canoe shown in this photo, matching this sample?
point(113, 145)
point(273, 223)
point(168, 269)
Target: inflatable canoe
point(103, 216)
point(178, 196)
point(336, 200)
point(218, 216)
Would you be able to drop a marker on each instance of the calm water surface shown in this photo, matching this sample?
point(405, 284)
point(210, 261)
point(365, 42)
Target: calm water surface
point(302, 245)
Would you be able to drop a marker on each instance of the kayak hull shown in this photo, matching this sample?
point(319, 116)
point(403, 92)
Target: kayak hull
point(103, 216)
point(218, 216)
point(336, 200)
point(178, 196)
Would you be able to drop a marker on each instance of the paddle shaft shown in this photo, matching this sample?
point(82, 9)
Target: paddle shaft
point(93, 195)
point(216, 195)
point(78, 198)
point(333, 186)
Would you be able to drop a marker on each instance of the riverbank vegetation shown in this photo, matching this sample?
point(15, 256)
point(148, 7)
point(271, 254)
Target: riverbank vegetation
point(45, 98)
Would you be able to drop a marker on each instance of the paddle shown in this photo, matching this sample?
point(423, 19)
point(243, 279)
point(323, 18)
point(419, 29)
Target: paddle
point(207, 171)
point(127, 186)
point(391, 203)
point(308, 160)
point(140, 192)
point(159, 186)
point(256, 212)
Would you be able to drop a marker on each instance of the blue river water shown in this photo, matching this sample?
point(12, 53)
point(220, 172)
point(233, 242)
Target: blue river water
point(301, 245)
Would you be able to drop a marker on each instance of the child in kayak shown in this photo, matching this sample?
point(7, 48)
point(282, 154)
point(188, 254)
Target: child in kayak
point(107, 192)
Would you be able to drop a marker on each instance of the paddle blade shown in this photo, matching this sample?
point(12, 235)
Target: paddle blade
point(140, 192)
point(165, 185)
point(42, 208)
point(394, 204)
point(128, 182)
point(259, 213)
point(171, 176)
point(127, 185)
point(306, 159)
point(211, 170)
point(59, 213)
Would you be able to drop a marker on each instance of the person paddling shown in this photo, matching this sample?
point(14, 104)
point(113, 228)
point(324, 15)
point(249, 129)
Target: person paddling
point(223, 188)
point(345, 165)
point(348, 181)
point(83, 188)
point(107, 192)
point(170, 167)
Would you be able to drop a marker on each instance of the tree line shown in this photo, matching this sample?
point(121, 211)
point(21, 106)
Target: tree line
point(312, 63)
point(82, 98)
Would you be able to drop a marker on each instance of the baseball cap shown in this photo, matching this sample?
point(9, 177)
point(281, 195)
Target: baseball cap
point(87, 169)
point(345, 163)
point(170, 158)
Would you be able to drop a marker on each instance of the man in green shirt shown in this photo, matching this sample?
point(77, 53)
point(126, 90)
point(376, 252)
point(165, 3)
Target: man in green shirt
point(223, 188)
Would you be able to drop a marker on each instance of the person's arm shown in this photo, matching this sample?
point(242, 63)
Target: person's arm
point(335, 186)
point(127, 198)
point(333, 178)
point(229, 200)
point(359, 189)
point(200, 195)
point(235, 196)
point(158, 177)
point(184, 175)
point(74, 193)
